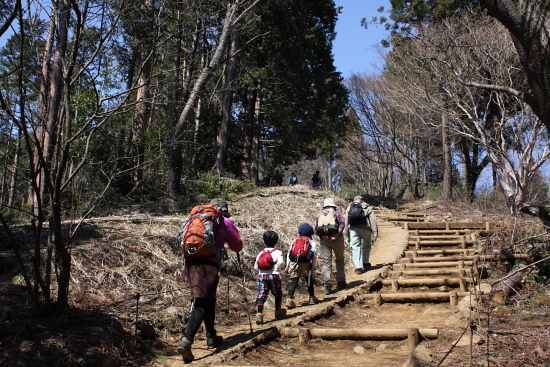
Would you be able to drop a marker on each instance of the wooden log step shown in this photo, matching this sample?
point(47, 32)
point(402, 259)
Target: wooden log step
point(450, 225)
point(449, 271)
point(361, 334)
point(399, 214)
point(427, 281)
point(468, 258)
point(442, 232)
point(418, 297)
point(441, 243)
point(397, 283)
point(481, 271)
point(416, 253)
point(400, 221)
point(439, 238)
point(435, 264)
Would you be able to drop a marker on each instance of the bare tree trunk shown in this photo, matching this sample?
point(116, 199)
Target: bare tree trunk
point(56, 157)
point(507, 288)
point(141, 112)
point(255, 148)
point(527, 23)
point(447, 193)
point(329, 173)
point(249, 134)
point(15, 168)
point(226, 104)
point(198, 88)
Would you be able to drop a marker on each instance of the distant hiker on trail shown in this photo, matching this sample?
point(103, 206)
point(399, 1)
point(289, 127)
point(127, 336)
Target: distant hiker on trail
point(300, 260)
point(292, 180)
point(268, 262)
point(278, 178)
point(202, 261)
point(330, 226)
point(316, 180)
point(361, 230)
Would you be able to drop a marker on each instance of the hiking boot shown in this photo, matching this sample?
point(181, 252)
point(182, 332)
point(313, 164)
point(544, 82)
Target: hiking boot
point(359, 271)
point(341, 284)
point(313, 300)
point(259, 318)
point(213, 341)
point(327, 288)
point(280, 314)
point(185, 350)
point(290, 303)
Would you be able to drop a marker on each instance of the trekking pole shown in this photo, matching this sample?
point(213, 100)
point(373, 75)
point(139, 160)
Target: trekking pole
point(244, 291)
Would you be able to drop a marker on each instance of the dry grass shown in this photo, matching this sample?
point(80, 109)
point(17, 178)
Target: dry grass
point(280, 209)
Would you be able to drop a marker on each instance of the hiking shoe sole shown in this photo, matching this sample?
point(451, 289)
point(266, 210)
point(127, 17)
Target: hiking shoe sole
point(186, 353)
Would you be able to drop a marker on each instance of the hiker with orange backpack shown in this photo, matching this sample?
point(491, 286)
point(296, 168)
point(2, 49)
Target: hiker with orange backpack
point(268, 262)
point(300, 260)
point(202, 243)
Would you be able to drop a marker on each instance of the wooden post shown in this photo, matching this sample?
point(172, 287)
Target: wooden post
point(453, 296)
point(413, 338)
point(395, 286)
point(378, 299)
point(448, 226)
point(461, 264)
point(462, 283)
point(417, 245)
point(406, 226)
point(304, 335)
point(463, 242)
point(487, 226)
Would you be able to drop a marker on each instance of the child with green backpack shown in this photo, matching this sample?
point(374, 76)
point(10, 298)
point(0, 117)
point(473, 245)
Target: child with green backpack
point(300, 260)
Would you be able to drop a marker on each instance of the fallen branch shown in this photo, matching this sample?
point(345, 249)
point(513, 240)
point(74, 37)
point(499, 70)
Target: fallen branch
point(519, 270)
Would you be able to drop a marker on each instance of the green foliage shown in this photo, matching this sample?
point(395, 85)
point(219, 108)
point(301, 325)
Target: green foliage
point(11, 215)
point(538, 299)
point(542, 269)
point(406, 13)
point(209, 185)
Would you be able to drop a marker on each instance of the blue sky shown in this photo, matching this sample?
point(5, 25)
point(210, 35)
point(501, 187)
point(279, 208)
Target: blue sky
point(353, 47)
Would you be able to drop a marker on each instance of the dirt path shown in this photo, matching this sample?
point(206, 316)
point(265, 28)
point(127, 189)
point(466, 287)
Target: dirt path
point(387, 249)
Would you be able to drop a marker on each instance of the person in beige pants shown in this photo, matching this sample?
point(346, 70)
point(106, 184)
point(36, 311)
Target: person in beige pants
point(329, 244)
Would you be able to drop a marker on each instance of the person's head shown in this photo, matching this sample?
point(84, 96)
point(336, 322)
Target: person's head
point(329, 202)
point(305, 230)
point(358, 199)
point(270, 238)
point(317, 172)
point(222, 205)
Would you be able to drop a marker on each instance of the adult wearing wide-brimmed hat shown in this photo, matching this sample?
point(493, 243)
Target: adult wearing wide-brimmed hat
point(332, 243)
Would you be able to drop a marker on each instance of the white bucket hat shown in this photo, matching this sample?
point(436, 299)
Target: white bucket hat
point(329, 202)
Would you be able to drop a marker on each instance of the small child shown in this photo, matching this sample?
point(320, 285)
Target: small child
point(267, 263)
point(301, 260)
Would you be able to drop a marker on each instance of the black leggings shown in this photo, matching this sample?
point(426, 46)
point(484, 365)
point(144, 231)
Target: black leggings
point(294, 284)
point(260, 304)
point(204, 309)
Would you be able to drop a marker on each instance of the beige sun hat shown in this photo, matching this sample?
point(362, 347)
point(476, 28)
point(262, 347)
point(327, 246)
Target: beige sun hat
point(329, 202)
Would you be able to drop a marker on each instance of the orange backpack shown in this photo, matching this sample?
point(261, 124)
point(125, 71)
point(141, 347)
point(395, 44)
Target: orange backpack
point(197, 236)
